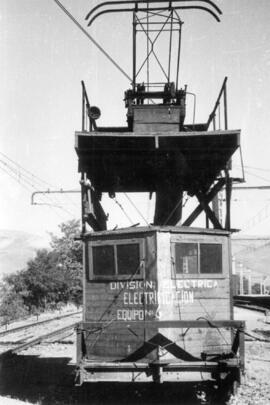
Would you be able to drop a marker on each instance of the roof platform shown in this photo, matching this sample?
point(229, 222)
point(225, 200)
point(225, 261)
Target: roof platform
point(154, 229)
point(157, 152)
point(143, 162)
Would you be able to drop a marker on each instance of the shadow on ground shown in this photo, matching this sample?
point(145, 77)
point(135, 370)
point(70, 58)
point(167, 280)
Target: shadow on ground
point(50, 381)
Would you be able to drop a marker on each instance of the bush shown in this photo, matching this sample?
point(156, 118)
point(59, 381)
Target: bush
point(53, 277)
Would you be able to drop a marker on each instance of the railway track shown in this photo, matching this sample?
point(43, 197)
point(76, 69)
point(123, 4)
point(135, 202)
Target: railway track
point(17, 339)
point(23, 337)
point(36, 323)
point(256, 303)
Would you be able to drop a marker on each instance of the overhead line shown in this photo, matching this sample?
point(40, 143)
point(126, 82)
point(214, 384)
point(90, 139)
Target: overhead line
point(27, 171)
point(121, 207)
point(24, 182)
point(18, 175)
point(257, 168)
point(92, 39)
point(29, 190)
point(14, 178)
point(136, 208)
point(29, 178)
point(251, 187)
point(255, 175)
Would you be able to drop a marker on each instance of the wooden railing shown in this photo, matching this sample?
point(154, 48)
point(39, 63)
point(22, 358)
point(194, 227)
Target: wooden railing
point(222, 97)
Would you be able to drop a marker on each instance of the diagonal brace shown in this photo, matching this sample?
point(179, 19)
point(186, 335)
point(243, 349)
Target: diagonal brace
point(203, 206)
point(209, 212)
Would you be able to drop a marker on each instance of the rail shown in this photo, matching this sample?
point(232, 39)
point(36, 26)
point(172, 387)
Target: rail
point(221, 97)
point(256, 302)
point(30, 325)
point(88, 122)
point(39, 339)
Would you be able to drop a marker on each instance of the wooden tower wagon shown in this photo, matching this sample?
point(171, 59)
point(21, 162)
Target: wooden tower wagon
point(157, 299)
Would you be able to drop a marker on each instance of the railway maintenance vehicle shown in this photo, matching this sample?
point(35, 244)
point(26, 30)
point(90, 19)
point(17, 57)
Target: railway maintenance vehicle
point(157, 299)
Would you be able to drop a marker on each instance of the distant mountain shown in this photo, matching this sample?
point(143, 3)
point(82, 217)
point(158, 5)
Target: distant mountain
point(253, 252)
point(16, 248)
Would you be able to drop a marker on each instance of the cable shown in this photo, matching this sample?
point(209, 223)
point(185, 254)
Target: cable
point(136, 208)
point(29, 190)
point(92, 39)
point(261, 216)
point(14, 178)
point(256, 338)
point(175, 208)
point(20, 176)
point(211, 322)
point(121, 290)
point(30, 179)
point(257, 168)
point(113, 302)
point(24, 181)
point(176, 289)
point(258, 177)
point(252, 248)
point(22, 168)
point(121, 207)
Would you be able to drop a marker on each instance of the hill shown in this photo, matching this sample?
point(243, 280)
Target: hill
point(16, 248)
point(253, 252)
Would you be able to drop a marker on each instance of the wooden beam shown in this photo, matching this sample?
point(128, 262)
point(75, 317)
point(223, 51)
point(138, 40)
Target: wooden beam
point(208, 197)
point(93, 212)
point(228, 201)
point(169, 324)
point(210, 214)
point(169, 366)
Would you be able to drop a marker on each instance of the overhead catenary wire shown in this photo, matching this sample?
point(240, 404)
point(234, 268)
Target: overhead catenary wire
point(262, 215)
point(16, 179)
point(175, 208)
point(28, 181)
point(32, 175)
point(19, 176)
point(256, 168)
point(137, 209)
point(257, 176)
point(92, 39)
point(20, 171)
point(29, 190)
point(123, 210)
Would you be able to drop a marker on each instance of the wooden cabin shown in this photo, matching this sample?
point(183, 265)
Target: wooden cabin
point(157, 300)
point(146, 288)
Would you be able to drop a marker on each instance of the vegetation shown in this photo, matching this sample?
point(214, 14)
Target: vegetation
point(53, 277)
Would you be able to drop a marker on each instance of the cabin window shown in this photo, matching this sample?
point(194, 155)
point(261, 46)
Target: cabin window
point(103, 260)
point(186, 258)
point(198, 258)
point(116, 260)
point(210, 258)
point(128, 258)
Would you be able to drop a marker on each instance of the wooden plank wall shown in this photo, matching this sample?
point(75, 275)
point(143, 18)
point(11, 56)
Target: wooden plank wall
point(165, 298)
point(193, 297)
point(111, 300)
point(156, 118)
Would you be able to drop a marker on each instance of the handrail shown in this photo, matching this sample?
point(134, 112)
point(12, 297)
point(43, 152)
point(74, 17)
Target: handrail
point(86, 109)
point(136, 2)
point(212, 116)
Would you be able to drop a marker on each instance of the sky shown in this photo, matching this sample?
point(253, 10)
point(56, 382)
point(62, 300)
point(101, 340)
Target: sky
point(44, 56)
